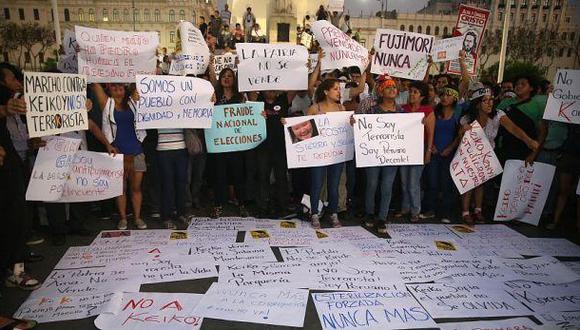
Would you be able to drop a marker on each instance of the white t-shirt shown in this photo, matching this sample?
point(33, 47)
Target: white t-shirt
point(491, 127)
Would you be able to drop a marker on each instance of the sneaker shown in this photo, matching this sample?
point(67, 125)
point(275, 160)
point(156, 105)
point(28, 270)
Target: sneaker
point(427, 215)
point(381, 227)
point(315, 221)
point(244, 212)
point(479, 217)
point(35, 239)
point(415, 218)
point(445, 220)
point(217, 212)
point(334, 221)
point(155, 215)
point(122, 224)
point(22, 281)
point(369, 221)
point(169, 224)
point(140, 224)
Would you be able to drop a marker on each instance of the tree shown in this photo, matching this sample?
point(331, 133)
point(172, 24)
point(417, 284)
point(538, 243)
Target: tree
point(513, 69)
point(9, 37)
point(491, 45)
point(46, 39)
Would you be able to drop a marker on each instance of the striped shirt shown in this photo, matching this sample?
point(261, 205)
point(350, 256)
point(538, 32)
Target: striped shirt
point(170, 139)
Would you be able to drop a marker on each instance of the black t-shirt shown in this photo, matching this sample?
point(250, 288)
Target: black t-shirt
point(275, 111)
point(203, 28)
point(513, 147)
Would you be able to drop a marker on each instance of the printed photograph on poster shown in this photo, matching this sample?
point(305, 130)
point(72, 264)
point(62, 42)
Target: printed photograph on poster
point(303, 131)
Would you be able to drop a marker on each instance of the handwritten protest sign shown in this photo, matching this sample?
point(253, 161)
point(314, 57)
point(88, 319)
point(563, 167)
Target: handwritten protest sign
point(64, 307)
point(474, 162)
point(515, 323)
point(370, 310)
point(523, 192)
point(221, 62)
point(388, 139)
point(555, 247)
point(542, 298)
point(319, 140)
point(386, 248)
point(69, 42)
point(336, 254)
point(490, 247)
point(68, 62)
point(265, 275)
point(401, 54)
point(272, 67)
point(340, 49)
point(471, 23)
point(306, 41)
point(490, 231)
point(234, 253)
point(541, 269)
point(55, 103)
point(416, 230)
point(413, 269)
point(174, 102)
point(51, 168)
point(173, 267)
point(563, 103)
point(193, 52)
point(152, 310)
point(153, 237)
point(236, 127)
point(560, 320)
point(335, 5)
point(98, 255)
point(115, 56)
point(447, 49)
point(283, 237)
point(477, 270)
point(280, 306)
point(454, 300)
point(313, 62)
point(353, 275)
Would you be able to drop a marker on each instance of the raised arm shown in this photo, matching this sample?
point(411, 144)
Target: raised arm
point(355, 91)
point(314, 75)
point(211, 68)
point(429, 64)
point(99, 92)
point(465, 76)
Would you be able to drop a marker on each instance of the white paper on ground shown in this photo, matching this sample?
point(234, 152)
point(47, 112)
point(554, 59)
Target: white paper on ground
point(283, 237)
point(234, 253)
point(519, 323)
point(340, 235)
point(477, 270)
point(555, 247)
point(173, 267)
point(153, 237)
point(429, 230)
point(560, 320)
point(542, 298)
point(370, 310)
point(266, 275)
point(542, 269)
point(280, 306)
point(64, 307)
point(355, 275)
point(381, 248)
point(491, 231)
point(152, 311)
point(455, 300)
point(414, 269)
point(98, 255)
point(340, 253)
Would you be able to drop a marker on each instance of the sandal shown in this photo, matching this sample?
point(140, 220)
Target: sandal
point(22, 281)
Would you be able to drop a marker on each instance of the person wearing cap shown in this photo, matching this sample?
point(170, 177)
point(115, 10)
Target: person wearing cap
point(438, 177)
point(386, 89)
point(481, 109)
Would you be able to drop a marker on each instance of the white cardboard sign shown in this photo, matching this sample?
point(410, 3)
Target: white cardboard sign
point(515, 323)
point(221, 62)
point(541, 269)
point(340, 49)
point(563, 102)
point(193, 57)
point(447, 49)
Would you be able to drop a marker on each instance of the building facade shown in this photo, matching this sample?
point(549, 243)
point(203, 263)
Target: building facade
point(161, 16)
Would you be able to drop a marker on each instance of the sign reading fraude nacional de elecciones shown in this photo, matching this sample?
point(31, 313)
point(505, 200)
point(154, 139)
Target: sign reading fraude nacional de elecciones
point(236, 127)
point(564, 102)
point(401, 54)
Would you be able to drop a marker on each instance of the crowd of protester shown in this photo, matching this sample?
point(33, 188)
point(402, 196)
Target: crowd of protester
point(169, 175)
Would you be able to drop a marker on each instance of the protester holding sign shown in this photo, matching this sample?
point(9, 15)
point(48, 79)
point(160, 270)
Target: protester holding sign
point(438, 177)
point(481, 109)
point(118, 103)
point(411, 175)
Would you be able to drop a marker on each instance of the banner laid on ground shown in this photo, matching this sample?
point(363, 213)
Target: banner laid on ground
point(64, 174)
point(447, 49)
point(174, 102)
point(564, 102)
point(474, 162)
point(401, 54)
point(55, 103)
point(471, 23)
point(388, 139)
point(116, 56)
point(236, 127)
point(319, 140)
point(193, 52)
point(221, 62)
point(272, 67)
point(341, 50)
point(524, 190)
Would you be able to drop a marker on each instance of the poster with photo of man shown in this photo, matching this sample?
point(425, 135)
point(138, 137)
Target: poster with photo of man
point(471, 23)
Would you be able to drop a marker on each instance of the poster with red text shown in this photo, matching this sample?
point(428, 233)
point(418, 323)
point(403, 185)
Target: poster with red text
point(474, 162)
point(523, 192)
point(471, 23)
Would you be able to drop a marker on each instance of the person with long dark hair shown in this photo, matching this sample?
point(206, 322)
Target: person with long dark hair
point(481, 109)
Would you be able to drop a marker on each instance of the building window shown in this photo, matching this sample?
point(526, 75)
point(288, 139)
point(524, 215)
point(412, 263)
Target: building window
point(172, 15)
point(172, 36)
point(41, 57)
point(81, 14)
point(136, 15)
point(572, 36)
point(105, 15)
point(555, 17)
point(7, 13)
point(182, 15)
point(402, 28)
point(428, 30)
point(445, 31)
point(126, 15)
point(157, 15)
point(564, 36)
point(436, 30)
point(115, 15)
point(569, 52)
point(533, 18)
point(6, 57)
point(91, 15)
point(66, 15)
point(561, 53)
point(544, 18)
point(500, 16)
point(146, 15)
point(419, 29)
point(36, 14)
point(522, 17)
point(568, 19)
point(21, 14)
point(411, 28)
point(550, 51)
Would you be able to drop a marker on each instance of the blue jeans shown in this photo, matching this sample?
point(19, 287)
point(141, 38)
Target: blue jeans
point(173, 169)
point(438, 179)
point(411, 186)
point(332, 174)
point(387, 174)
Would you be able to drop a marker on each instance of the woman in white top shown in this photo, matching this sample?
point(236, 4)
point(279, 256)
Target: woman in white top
point(481, 109)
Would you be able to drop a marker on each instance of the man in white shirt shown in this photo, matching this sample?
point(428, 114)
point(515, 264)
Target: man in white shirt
point(249, 21)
